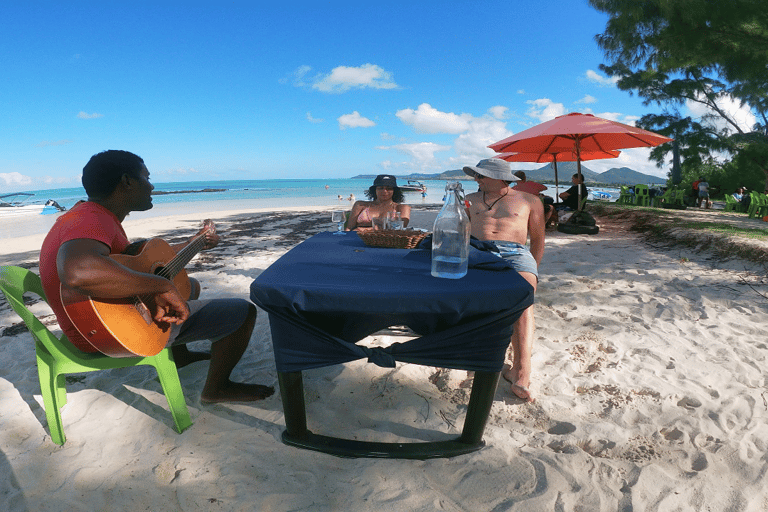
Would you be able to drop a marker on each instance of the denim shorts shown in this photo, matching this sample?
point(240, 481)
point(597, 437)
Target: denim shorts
point(211, 320)
point(518, 255)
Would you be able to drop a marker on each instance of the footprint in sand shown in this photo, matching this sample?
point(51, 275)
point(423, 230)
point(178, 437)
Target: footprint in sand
point(672, 435)
point(700, 463)
point(562, 428)
point(689, 403)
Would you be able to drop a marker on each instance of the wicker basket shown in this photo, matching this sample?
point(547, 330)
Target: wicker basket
point(392, 238)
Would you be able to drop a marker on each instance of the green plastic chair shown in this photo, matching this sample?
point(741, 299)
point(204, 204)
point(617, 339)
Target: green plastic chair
point(667, 197)
point(762, 210)
point(731, 204)
point(625, 197)
point(642, 197)
point(758, 205)
point(58, 357)
point(680, 197)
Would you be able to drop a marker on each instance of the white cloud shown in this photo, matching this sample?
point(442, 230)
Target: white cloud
point(312, 119)
point(354, 120)
point(612, 116)
point(521, 91)
point(634, 158)
point(586, 99)
point(426, 119)
point(474, 135)
point(344, 78)
point(422, 153)
point(472, 146)
point(743, 116)
point(46, 143)
point(85, 115)
point(545, 109)
point(14, 179)
point(499, 112)
point(601, 80)
point(297, 77)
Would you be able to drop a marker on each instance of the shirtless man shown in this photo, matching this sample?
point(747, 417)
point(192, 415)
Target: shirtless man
point(75, 255)
point(508, 218)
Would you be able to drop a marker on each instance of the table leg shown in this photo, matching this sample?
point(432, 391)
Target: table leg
point(292, 395)
point(480, 402)
point(297, 434)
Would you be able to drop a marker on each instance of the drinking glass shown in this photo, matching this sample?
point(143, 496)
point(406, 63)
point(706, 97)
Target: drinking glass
point(337, 216)
point(380, 223)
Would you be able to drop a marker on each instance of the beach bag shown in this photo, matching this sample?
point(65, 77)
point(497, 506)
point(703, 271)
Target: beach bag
point(580, 223)
point(582, 218)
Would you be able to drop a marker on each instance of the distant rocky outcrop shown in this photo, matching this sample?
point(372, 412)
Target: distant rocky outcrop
point(546, 174)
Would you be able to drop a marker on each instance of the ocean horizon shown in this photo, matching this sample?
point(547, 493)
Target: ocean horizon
point(288, 192)
point(224, 195)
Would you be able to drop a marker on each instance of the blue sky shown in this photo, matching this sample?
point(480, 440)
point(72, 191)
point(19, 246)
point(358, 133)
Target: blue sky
point(331, 89)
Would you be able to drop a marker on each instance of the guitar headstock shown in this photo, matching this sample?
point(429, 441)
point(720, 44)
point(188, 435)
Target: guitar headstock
point(208, 227)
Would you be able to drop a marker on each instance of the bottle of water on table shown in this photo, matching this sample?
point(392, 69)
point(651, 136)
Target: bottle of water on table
point(450, 236)
point(395, 220)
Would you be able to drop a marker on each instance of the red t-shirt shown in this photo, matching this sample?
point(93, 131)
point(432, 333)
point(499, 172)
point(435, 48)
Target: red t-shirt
point(86, 220)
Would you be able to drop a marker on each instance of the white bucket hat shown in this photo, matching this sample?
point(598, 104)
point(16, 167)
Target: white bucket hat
point(494, 168)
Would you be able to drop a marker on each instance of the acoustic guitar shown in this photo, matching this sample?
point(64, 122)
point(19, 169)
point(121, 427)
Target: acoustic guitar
point(125, 327)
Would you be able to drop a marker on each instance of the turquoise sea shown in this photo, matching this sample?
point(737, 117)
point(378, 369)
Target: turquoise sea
point(235, 195)
point(266, 193)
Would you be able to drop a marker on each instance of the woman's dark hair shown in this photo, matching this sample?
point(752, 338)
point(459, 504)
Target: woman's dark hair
point(397, 194)
point(103, 171)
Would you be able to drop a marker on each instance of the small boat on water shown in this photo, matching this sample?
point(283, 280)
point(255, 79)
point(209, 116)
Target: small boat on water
point(600, 195)
point(19, 206)
point(413, 186)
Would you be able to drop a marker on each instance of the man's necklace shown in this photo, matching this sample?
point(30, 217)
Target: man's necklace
point(493, 203)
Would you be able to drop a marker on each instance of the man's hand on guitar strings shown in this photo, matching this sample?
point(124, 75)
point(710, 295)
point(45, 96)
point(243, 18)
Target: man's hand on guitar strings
point(171, 308)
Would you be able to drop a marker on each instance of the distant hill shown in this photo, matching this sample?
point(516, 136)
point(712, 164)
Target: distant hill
point(546, 174)
point(613, 176)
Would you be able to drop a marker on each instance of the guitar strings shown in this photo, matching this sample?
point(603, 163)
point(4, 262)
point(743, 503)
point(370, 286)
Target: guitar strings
point(182, 258)
point(175, 265)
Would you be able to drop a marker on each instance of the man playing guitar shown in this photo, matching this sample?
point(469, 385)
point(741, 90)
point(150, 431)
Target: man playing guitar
point(78, 257)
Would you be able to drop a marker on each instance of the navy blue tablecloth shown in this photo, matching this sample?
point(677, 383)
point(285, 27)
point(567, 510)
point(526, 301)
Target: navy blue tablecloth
point(331, 291)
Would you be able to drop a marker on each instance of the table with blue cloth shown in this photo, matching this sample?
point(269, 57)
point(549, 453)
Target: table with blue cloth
point(331, 291)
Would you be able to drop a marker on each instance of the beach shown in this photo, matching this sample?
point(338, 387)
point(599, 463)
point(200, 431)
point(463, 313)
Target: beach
point(649, 372)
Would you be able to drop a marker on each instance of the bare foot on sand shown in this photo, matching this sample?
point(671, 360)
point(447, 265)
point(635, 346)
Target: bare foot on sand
point(182, 356)
point(237, 392)
point(510, 375)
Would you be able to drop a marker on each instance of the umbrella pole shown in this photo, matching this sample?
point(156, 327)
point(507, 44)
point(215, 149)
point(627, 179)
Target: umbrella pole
point(578, 170)
point(557, 186)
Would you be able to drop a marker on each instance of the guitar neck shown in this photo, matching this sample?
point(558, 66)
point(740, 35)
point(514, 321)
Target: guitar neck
point(184, 256)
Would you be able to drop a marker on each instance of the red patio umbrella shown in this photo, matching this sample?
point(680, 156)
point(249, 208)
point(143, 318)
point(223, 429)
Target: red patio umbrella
point(554, 157)
point(578, 133)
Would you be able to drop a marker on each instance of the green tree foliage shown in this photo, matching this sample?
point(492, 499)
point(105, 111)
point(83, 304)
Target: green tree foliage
point(677, 52)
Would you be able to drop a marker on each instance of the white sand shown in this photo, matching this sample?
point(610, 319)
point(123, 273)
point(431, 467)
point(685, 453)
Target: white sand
point(649, 368)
